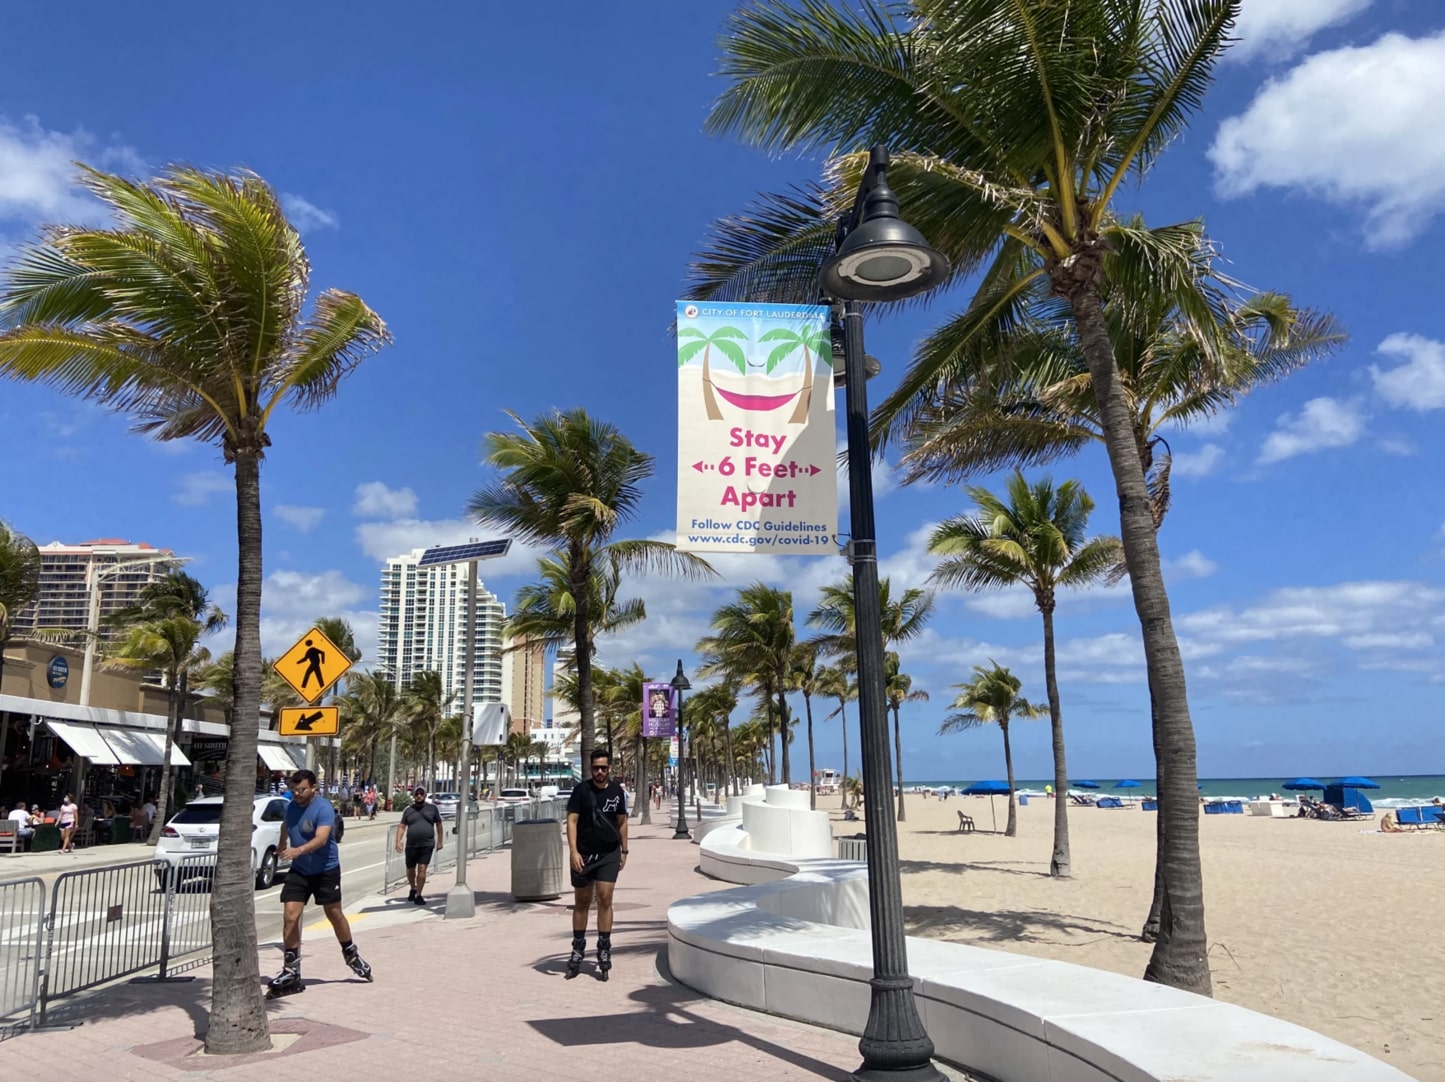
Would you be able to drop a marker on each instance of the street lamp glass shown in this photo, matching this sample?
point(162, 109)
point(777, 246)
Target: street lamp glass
point(882, 258)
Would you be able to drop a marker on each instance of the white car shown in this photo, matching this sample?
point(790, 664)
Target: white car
point(514, 796)
point(447, 804)
point(195, 830)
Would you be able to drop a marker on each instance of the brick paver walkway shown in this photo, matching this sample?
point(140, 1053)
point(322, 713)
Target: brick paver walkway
point(484, 997)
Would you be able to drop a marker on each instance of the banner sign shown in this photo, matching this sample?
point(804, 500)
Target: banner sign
point(756, 435)
point(658, 718)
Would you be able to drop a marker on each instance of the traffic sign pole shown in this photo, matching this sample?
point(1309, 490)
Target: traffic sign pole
point(460, 900)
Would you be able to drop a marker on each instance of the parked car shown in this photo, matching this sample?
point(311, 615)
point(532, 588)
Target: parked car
point(195, 829)
point(514, 796)
point(447, 804)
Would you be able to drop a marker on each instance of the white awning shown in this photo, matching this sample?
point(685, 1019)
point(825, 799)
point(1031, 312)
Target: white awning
point(141, 748)
point(275, 757)
point(84, 741)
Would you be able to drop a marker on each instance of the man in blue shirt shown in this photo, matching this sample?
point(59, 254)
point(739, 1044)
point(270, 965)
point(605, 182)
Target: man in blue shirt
point(307, 842)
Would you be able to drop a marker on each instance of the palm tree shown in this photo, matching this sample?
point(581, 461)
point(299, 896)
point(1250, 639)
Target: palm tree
point(992, 698)
point(426, 703)
point(545, 611)
point(516, 747)
point(724, 338)
point(162, 630)
point(753, 640)
point(804, 675)
point(898, 689)
point(1016, 122)
point(19, 583)
point(810, 340)
point(837, 682)
point(371, 710)
point(1038, 539)
point(567, 482)
point(191, 314)
point(714, 705)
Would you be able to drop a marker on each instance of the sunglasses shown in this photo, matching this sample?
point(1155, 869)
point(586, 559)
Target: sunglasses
point(601, 769)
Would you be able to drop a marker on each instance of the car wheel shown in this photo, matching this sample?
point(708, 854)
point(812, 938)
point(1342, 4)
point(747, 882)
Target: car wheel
point(267, 874)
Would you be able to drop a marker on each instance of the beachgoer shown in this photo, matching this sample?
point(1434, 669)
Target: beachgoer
point(307, 842)
point(69, 813)
point(597, 842)
point(421, 828)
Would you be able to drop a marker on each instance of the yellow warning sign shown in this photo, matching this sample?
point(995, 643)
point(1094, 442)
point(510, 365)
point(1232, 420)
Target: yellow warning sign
point(310, 720)
point(312, 665)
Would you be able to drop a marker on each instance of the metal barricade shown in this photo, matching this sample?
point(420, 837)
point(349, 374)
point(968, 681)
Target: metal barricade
point(106, 923)
point(852, 849)
point(22, 923)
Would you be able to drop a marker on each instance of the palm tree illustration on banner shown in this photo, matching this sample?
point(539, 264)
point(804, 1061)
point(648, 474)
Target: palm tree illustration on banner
point(723, 339)
point(812, 340)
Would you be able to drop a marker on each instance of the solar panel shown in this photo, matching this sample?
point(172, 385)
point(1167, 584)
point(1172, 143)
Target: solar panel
point(456, 554)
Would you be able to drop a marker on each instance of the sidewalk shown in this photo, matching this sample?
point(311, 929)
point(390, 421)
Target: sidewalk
point(485, 996)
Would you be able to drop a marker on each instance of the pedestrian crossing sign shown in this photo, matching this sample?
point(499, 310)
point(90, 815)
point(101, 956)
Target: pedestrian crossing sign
point(312, 665)
point(310, 720)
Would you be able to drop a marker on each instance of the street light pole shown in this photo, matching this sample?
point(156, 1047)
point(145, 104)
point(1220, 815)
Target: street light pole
point(461, 902)
point(878, 257)
point(680, 683)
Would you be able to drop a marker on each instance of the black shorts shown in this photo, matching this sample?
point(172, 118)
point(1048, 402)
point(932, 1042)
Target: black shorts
point(419, 854)
point(325, 887)
point(597, 868)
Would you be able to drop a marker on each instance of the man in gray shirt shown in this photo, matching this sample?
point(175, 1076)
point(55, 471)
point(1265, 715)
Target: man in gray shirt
point(421, 829)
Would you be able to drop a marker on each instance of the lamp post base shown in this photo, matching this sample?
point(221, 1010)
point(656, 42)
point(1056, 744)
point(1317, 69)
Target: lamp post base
point(926, 1073)
point(894, 1044)
point(461, 902)
point(682, 832)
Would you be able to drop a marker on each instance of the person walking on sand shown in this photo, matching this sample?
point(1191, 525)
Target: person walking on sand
point(597, 842)
point(421, 827)
point(307, 842)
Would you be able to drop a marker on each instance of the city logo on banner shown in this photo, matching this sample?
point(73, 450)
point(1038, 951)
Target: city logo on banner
point(756, 432)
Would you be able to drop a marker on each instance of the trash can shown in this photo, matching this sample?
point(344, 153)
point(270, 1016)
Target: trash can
point(1023, 800)
point(539, 860)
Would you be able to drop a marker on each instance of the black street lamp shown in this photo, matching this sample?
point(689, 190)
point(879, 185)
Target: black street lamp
point(879, 257)
point(680, 683)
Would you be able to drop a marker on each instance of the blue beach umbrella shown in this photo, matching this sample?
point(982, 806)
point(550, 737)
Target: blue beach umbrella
point(989, 789)
point(1128, 783)
point(1354, 781)
point(1304, 783)
point(1086, 785)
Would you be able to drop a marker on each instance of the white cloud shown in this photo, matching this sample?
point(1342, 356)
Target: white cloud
point(1198, 463)
point(196, 489)
point(375, 500)
point(37, 172)
point(1397, 446)
point(1280, 27)
point(1348, 608)
point(304, 519)
point(1321, 424)
point(292, 602)
point(1418, 383)
point(1355, 126)
point(305, 215)
point(1192, 565)
point(1386, 640)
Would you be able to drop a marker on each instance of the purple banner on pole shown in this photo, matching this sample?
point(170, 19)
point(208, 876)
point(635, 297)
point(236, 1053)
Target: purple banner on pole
point(658, 717)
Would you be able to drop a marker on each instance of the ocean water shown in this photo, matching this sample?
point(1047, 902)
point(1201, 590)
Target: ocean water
point(1395, 789)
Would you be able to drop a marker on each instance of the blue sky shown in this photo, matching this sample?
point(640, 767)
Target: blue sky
point(518, 192)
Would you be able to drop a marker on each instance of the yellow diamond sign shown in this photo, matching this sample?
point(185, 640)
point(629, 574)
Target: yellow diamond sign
point(312, 665)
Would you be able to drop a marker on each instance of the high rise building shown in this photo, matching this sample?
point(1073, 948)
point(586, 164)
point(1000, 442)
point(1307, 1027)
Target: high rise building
point(524, 678)
point(118, 570)
point(423, 627)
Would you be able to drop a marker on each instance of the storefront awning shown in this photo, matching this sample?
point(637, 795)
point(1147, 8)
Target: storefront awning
point(84, 741)
point(276, 757)
point(141, 748)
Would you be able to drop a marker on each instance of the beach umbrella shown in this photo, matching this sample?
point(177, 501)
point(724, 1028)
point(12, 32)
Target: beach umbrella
point(1086, 785)
point(989, 789)
point(1354, 781)
point(1128, 783)
point(1304, 783)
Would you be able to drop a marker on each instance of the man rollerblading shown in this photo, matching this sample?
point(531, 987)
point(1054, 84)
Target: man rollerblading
point(308, 844)
point(597, 839)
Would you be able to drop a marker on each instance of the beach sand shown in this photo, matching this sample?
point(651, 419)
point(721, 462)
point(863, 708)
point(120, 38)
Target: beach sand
point(1320, 923)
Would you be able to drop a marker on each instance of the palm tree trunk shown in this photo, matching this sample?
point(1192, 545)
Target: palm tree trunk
point(581, 566)
point(784, 731)
point(843, 714)
point(176, 705)
point(812, 759)
point(898, 755)
point(732, 768)
point(238, 1013)
point(1012, 827)
point(1180, 957)
point(1060, 864)
point(645, 819)
point(1150, 932)
point(769, 753)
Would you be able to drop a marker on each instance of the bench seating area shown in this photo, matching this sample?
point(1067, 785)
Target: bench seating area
point(796, 944)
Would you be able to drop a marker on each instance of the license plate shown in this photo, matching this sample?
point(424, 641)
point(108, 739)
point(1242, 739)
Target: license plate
point(200, 843)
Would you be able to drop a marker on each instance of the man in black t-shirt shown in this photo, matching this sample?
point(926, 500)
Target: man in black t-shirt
point(421, 826)
point(597, 841)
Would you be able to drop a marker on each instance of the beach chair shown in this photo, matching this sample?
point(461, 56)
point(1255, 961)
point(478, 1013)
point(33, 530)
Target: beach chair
point(1149, 805)
point(1110, 802)
point(1082, 801)
point(965, 823)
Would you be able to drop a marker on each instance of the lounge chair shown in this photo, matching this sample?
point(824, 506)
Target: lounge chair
point(965, 823)
point(1110, 802)
point(1082, 801)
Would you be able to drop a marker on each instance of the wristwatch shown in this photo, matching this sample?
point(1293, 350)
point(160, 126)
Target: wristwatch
point(624, 852)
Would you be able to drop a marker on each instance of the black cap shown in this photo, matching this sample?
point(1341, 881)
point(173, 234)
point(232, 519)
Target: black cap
point(419, 789)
